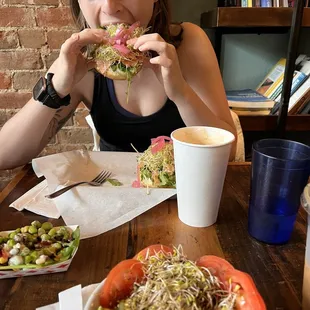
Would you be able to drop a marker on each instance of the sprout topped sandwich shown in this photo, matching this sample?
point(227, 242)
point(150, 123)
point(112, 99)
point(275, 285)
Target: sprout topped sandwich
point(156, 165)
point(115, 59)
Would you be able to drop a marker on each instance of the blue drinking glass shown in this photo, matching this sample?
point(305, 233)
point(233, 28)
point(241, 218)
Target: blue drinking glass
point(280, 171)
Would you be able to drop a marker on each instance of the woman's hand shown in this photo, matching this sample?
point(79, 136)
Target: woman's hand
point(71, 66)
point(165, 65)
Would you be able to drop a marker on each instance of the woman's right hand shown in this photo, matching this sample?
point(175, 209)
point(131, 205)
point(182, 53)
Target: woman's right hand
point(71, 66)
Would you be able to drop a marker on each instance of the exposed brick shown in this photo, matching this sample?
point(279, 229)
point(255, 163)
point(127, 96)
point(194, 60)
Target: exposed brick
point(11, 112)
point(50, 58)
point(16, 17)
point(59, 148)
point(13, 100)
point(29, 2)
point(32, 38)
point(65, 2)
point(10, 2)
point(76, 135)
point(26, 80)
point(3, 117)
point(79, 117)
point(8, 39)
point(48, 2)
point(55, 38)
point(54, 17)
point(5, 80)
point(20, 60)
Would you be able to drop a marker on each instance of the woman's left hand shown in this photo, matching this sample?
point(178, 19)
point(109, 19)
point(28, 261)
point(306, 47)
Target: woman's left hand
point(165, 65)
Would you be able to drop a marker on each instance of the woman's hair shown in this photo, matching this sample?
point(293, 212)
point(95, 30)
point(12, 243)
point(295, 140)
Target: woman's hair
point(159, 23)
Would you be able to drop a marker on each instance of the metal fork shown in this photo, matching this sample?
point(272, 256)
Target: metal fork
point(97, 181)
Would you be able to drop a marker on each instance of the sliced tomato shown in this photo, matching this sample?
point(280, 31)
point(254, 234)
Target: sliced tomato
point(248, 295)
point(218, 266)
point(238, 281)
point(120, 281)
point(152, 250)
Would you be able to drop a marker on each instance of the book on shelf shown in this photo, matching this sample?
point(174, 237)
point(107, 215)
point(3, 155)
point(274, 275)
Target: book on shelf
point(300, 88)
point(297, 100)
point(248, 102)
point(251, 112)
point(266, 98)
point(273, 79)
point(305, 109)
point(259, 3)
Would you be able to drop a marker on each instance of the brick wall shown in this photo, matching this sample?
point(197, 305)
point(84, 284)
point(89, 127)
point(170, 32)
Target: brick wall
point(31, 33)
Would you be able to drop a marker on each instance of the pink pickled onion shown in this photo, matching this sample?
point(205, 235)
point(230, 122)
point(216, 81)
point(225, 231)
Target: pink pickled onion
point(155, 140)
point(124, 34)
point(158, 146)
point(136, 184)
point(119, 35)
point(133, 27)
point(159, 143)
point(122, 48)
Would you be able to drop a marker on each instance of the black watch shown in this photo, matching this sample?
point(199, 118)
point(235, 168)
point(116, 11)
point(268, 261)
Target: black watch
point(44, 92)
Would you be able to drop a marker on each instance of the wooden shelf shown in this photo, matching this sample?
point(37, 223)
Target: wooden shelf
point(269, 122)
point(251, 17)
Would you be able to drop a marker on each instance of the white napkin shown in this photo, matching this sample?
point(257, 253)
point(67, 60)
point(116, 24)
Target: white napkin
point(71, 298)
point(34, 200)
point(72, 294)
point(96, 209)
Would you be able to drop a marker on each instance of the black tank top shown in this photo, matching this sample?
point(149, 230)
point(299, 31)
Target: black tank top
point(118, 127)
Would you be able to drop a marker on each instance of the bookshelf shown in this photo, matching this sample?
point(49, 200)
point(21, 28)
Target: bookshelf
point(229, 20)
point(236, 17)
point(269, 122)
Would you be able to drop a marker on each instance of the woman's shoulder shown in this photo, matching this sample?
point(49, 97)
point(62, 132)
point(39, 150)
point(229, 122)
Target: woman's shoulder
point(195, 41)
point(197, 47)
point(192, 33)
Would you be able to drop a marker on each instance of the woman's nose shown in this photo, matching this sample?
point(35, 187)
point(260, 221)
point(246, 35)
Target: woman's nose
point(110, 7)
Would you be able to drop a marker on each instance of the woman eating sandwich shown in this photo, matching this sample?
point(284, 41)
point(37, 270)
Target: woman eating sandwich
point(140, 76)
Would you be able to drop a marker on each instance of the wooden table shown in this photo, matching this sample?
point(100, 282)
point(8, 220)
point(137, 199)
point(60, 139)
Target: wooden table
point(277, 270)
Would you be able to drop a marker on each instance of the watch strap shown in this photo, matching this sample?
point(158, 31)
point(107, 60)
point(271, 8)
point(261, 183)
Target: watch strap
point(58, 102)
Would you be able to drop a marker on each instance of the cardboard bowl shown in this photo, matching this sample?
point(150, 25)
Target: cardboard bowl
point(54, 268)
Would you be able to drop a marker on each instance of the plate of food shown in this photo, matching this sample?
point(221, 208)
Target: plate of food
point(155, 166)
point(161, 277)
point(39, 248)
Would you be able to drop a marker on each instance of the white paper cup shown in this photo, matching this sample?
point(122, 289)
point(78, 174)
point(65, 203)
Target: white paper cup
point(201, 156)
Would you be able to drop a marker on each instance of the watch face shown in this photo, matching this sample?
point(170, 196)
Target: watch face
point(39, 89)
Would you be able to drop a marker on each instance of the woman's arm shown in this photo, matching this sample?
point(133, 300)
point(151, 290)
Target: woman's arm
point(25, 135)
point(191, 77)
point(202, 100)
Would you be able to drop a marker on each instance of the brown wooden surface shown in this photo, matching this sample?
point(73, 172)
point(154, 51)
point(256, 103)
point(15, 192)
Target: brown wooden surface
point(276, 270)
point(251, 17)
point(269, 122)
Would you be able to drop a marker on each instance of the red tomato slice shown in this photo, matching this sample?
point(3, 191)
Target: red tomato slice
point(240, 282)
point(152, 250)
point(248, 295)
point(120, 281)
point(217, 265)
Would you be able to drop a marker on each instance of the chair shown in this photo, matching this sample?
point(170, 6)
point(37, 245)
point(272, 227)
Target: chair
point(239, 156)
point(240, 152)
